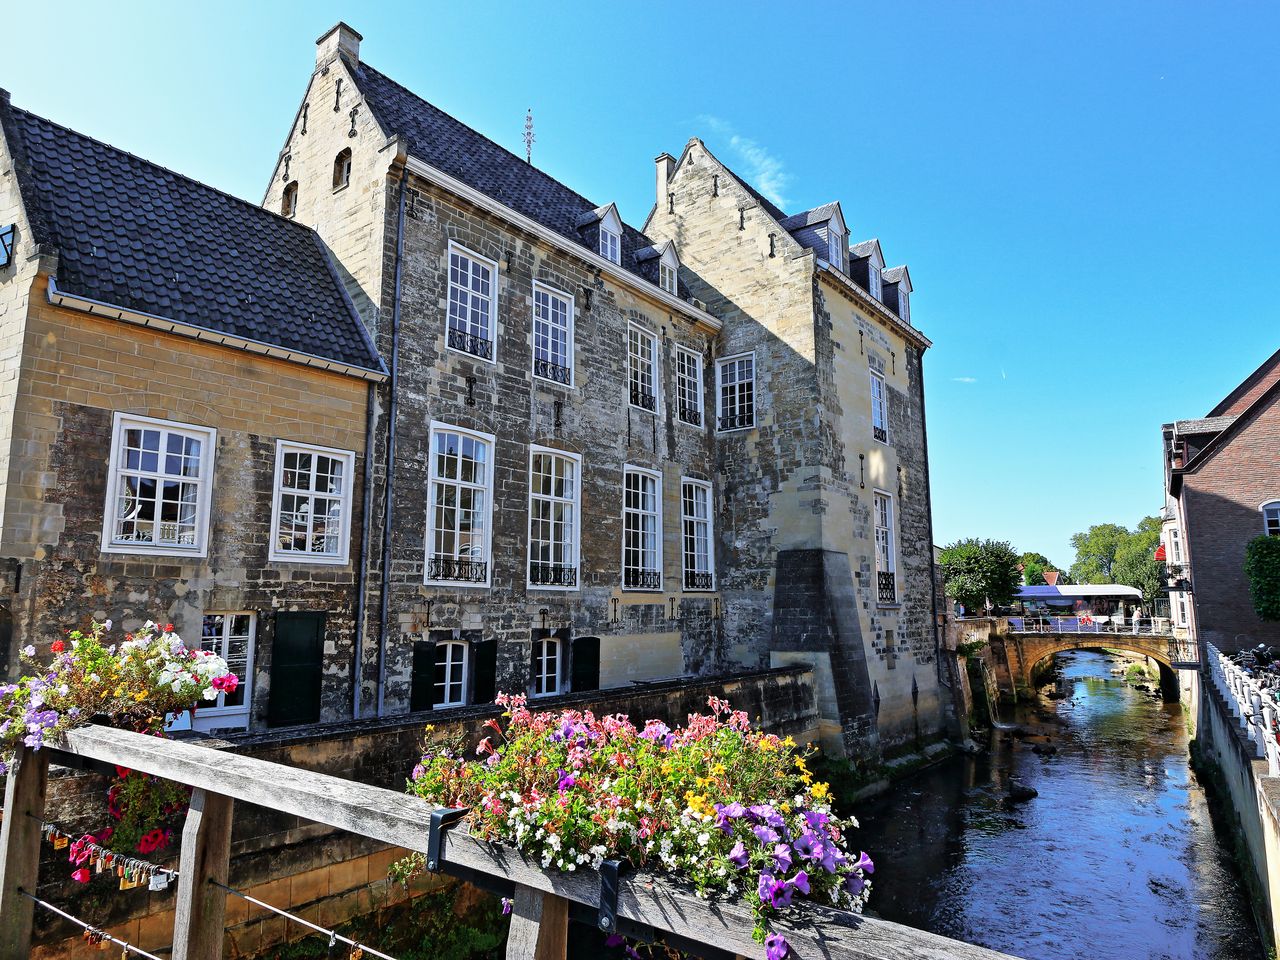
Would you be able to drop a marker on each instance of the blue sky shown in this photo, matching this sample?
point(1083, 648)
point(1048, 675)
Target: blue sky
point(1086, 193)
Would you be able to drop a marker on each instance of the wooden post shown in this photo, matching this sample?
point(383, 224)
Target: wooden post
point(539, 926)
point(200, 909)
point(20, 849)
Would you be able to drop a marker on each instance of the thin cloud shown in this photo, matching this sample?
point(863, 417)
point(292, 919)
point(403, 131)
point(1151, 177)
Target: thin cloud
point(965, 379)
point(765, 172)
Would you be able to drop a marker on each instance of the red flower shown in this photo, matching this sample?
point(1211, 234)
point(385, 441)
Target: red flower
point(80, 876)
point(57, 646)
point(122, 772)
point(151, 841)
point(168, 628)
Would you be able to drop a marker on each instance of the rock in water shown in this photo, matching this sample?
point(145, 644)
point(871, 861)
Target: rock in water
point(1019, 792)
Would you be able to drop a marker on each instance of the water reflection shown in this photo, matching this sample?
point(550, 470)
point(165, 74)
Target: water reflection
point(1117, 857)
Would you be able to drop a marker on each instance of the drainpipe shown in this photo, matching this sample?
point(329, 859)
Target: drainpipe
point(362, 592)
point(389, 486)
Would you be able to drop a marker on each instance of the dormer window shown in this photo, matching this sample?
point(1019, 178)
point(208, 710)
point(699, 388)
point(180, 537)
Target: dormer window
point(835, 248)
point(873, 280)
point(667, 277)
point(904, 309)
point(342, 169)
point(289, 200)
point(610, 245)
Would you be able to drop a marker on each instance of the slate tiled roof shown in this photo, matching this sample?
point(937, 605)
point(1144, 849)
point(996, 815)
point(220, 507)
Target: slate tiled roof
point(1203, 425)
point(809, 218)
point(864, 249)
point(138, 236)
point(893, 274)
point(452, 147)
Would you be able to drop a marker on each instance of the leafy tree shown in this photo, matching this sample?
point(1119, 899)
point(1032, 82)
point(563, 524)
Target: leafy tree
point(1033, 567)
point(980, 572)
point(1096, 552)
point(1262, 567)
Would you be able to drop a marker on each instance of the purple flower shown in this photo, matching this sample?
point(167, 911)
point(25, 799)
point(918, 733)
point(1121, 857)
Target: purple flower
point(781, 857)
point(815, 819)
point(726, 812)
point(738, 856)
point(809, 845)
point(776, 947)
point(614, 940)
point(800, 882)
point(506, 906)
point(765, 835)
point(766, 814)
point(854, 884)
point(567, 782)
point(776, 893)
point(864, 863)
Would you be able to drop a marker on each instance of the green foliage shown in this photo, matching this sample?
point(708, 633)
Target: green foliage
point(1096, 552)
point(969, 647)
point(1033, 567)
point(978, 572)
point(1110, 553)
point(1262, 567)
point(1135, 672)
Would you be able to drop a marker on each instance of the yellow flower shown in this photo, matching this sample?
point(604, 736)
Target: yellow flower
point(789, 742)
point(819, 791)
point(784, 807)
point(807, 779)
point(718, 770)
point(768, 746)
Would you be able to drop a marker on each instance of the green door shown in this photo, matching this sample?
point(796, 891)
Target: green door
point(296, 669)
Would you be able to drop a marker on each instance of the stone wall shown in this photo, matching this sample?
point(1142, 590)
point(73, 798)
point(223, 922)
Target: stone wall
point(329, 876)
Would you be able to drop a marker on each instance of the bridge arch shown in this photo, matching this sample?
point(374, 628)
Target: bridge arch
point(1026, 651)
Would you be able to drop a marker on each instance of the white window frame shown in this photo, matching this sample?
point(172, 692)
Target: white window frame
point(904, 305)
point(610, 246)
point(466, 673)
point(685, 520)
point(696, 379)
point(667, 277)
point(658, 568)
point(348, 458)
point(721, 363)
point(1270, 514)
point(457, 249)
point(575, 541)
point(873, 279)
point(208, 438)
point(553, 292)
point(652, 340)
point(888, 557)
point(438, 427)
point(880, 404)
point(835, 248)
point(539, 667)
point(220, 711)
point(1175, 544)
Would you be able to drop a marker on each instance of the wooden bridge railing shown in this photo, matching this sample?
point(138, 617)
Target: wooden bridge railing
point(543, 899)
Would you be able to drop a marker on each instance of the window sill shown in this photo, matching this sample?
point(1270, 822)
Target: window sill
point(457, 584)
point(546, 381)
point(652, 413)
point(736, 430)
point(896, 605)
point(643, 590)
point(139, 550)
point(473, 356)
point(307, 560)
point(342, 187)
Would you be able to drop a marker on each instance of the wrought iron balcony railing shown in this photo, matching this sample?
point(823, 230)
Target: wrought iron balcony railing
point(643, 399)
point(880, 433)
point(551, 371)
point(641, 579)
point(470, 343)
point(457, 568)
point(690, 415)
point(737, 421)
point(553, 574)
point(697, 580)
point(887, 586)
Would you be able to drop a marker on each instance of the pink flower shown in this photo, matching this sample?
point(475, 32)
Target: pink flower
point(80, 876)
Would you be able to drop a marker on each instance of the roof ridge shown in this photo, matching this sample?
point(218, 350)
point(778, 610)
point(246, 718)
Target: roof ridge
point(258, 208)
point(483, 136)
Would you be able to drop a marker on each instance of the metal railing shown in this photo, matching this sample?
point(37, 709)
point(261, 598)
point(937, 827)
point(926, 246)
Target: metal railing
point(553, 574)
point(886, 586)
point(457, 568)
point(1147, 626)
point(1251, 701)
point(549, 370)
point(470, 343)
point(643, 399)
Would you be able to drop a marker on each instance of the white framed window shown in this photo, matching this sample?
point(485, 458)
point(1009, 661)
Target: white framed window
point(473, 303)
point(159, 484)
point(667, 277)
point(695, 516)
point(879, 409)
point(835, 248)
point(642, 368)
point(230, 636)
point(736, 392)
point(311, 507)
point(688, 387)
point(459, 507)
point(904, 306)
point(610, 244)
point(1182, 610)
point(552, 334)
point(546, 666)
point(886, 562)
point(1271, 518)
point(641, 529)
point(451, 673)
point(873, 279)
point(554, 490)
point(342, 169)
point(1175, 544)
point(289, 199)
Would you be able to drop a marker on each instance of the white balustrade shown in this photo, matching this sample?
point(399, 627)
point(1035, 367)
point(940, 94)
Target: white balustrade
point(1252, 701)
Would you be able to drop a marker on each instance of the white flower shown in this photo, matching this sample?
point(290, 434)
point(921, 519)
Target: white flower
point(29, 650)
point(106, 623)
point(210, 693)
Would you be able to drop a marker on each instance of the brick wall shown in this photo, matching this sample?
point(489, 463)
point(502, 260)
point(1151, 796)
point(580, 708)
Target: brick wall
point(1220, 504)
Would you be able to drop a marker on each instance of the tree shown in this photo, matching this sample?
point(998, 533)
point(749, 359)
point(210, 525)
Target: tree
point(1096, 552)
point(980, 572)
point(1033, 567)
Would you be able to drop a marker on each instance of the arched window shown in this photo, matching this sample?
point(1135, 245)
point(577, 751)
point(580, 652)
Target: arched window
point(342, 169)
point(451, 673)
point(546, 666)
point(289, 200)
point(1271, 518)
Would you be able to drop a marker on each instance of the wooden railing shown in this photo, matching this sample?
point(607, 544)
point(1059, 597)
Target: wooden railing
point(544, 900)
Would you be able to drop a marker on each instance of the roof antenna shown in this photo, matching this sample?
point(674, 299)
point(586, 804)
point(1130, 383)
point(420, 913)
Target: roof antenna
point(528, 136)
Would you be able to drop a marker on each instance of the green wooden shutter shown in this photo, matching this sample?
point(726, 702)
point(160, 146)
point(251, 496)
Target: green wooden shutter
point(422, 679)
point(484, 670)
point(296, 669)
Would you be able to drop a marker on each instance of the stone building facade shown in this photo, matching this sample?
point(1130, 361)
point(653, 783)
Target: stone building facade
point(174, 360)
point(1222, 489)
point(719, 351)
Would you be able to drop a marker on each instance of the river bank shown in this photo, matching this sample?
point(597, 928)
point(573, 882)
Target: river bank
point(1117, 856)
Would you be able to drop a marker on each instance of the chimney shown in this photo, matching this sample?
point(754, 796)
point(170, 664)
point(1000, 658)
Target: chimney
point(1051, 578)
point(341, 39)
point(666, 164)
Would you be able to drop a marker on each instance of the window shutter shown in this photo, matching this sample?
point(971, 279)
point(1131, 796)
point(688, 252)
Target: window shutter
point(585, 669)
point(484, 667)
point(422, 686)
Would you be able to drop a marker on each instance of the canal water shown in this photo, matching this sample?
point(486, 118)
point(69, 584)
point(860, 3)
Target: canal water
point(1116, 857)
